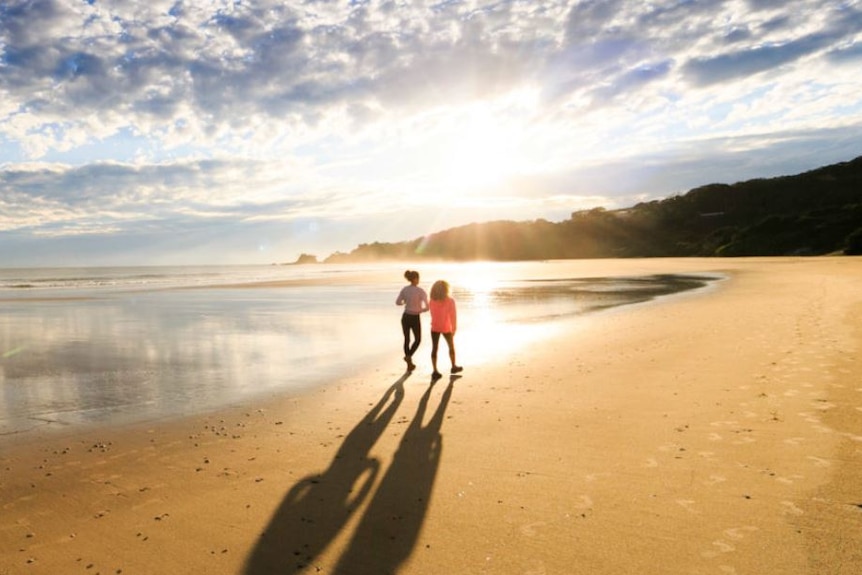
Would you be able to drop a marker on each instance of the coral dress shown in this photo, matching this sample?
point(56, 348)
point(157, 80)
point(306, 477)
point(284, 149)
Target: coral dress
point(444, 316)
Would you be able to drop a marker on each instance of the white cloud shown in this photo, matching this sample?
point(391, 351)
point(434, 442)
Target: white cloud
point(218, 113)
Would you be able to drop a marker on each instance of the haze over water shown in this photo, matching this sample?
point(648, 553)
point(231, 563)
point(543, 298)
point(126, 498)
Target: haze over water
point(107, 345)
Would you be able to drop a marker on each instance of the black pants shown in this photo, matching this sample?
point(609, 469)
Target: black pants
point(410, 324)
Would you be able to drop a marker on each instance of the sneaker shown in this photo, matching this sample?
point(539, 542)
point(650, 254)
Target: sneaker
point(457, 369)
point(436, 375)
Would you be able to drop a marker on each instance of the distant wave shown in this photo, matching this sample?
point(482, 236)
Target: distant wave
point(130, 277)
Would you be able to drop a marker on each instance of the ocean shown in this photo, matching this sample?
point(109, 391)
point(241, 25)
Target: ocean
point(92, 346)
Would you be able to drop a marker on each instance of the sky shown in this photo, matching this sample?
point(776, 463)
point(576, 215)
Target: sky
point(216, 132)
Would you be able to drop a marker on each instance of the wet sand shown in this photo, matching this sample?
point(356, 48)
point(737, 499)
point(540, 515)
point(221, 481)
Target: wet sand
point(716, 432)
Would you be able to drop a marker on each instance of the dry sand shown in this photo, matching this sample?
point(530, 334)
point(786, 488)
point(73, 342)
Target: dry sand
point(719, 433)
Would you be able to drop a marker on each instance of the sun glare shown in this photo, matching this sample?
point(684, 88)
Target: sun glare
point(480, 278)
point(479, 157)
point(487, 144)
point(491, 334)
point(489, 338)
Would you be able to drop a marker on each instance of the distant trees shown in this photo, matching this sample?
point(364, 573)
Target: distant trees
point(854, 243)
point(817, 212)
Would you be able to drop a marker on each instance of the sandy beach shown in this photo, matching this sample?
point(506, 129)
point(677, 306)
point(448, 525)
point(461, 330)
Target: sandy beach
point(718, 432)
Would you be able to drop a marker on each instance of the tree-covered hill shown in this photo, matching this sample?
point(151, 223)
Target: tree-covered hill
point(812, 213)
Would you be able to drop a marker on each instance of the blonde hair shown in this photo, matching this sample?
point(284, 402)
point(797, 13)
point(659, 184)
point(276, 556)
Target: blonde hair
point(440, 290)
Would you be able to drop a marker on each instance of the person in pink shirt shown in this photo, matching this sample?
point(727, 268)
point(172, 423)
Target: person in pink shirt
point(444, 320)
point(415, 302)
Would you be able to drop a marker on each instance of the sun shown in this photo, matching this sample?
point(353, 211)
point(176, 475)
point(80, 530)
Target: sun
point(486, 145)
point(479, 157)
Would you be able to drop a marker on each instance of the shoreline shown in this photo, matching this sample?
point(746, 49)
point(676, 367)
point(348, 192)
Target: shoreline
point(709, 432)
point(96, 377)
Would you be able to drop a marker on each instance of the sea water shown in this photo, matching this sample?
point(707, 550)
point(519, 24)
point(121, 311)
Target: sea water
point(107, 345)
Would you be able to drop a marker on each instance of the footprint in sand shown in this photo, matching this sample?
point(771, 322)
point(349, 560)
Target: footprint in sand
point(594, 476)
point(724, 423)
point(738, 533)
point(794, 441)
point(809, 417)
point(721, 546)
point(825, 406)
point(790, 480)
point(531, 529)
point(651, 462)
point(688, 505)
point(148, 503)
point(715, 480)
point(819, 462)
point(791, 508)
point(744, 441)
point(22, 499)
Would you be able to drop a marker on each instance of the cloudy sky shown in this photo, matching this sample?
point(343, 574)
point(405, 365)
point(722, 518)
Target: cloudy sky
point(215, 131)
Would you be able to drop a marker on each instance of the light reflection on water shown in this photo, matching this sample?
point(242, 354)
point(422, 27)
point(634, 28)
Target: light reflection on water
point(504, 315)
point(140, 355)
point(169, 353)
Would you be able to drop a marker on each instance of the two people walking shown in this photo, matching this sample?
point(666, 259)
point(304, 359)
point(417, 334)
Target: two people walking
point(444, 320)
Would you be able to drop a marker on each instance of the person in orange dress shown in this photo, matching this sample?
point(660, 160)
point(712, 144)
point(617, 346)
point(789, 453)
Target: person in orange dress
point(444, 321)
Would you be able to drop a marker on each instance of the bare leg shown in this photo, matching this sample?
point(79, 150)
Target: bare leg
point(450, 341)
point(435, 344)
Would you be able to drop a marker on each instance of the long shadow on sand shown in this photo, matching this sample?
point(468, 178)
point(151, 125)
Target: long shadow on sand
point(317, 507)
point(389, 528)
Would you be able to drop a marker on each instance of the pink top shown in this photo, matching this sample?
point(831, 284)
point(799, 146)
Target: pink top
point(444, 316)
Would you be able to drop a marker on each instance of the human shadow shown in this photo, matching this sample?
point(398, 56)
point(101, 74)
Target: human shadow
point(318, 506)
point(389, 529)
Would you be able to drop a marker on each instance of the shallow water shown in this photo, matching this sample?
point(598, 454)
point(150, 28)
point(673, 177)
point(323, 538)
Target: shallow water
point(116, 344)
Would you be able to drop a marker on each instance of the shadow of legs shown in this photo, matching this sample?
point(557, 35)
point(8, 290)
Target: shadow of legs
point(389, 528)
point(317, 507)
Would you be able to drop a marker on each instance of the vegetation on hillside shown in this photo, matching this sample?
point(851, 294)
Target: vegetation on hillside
point(814, 213)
